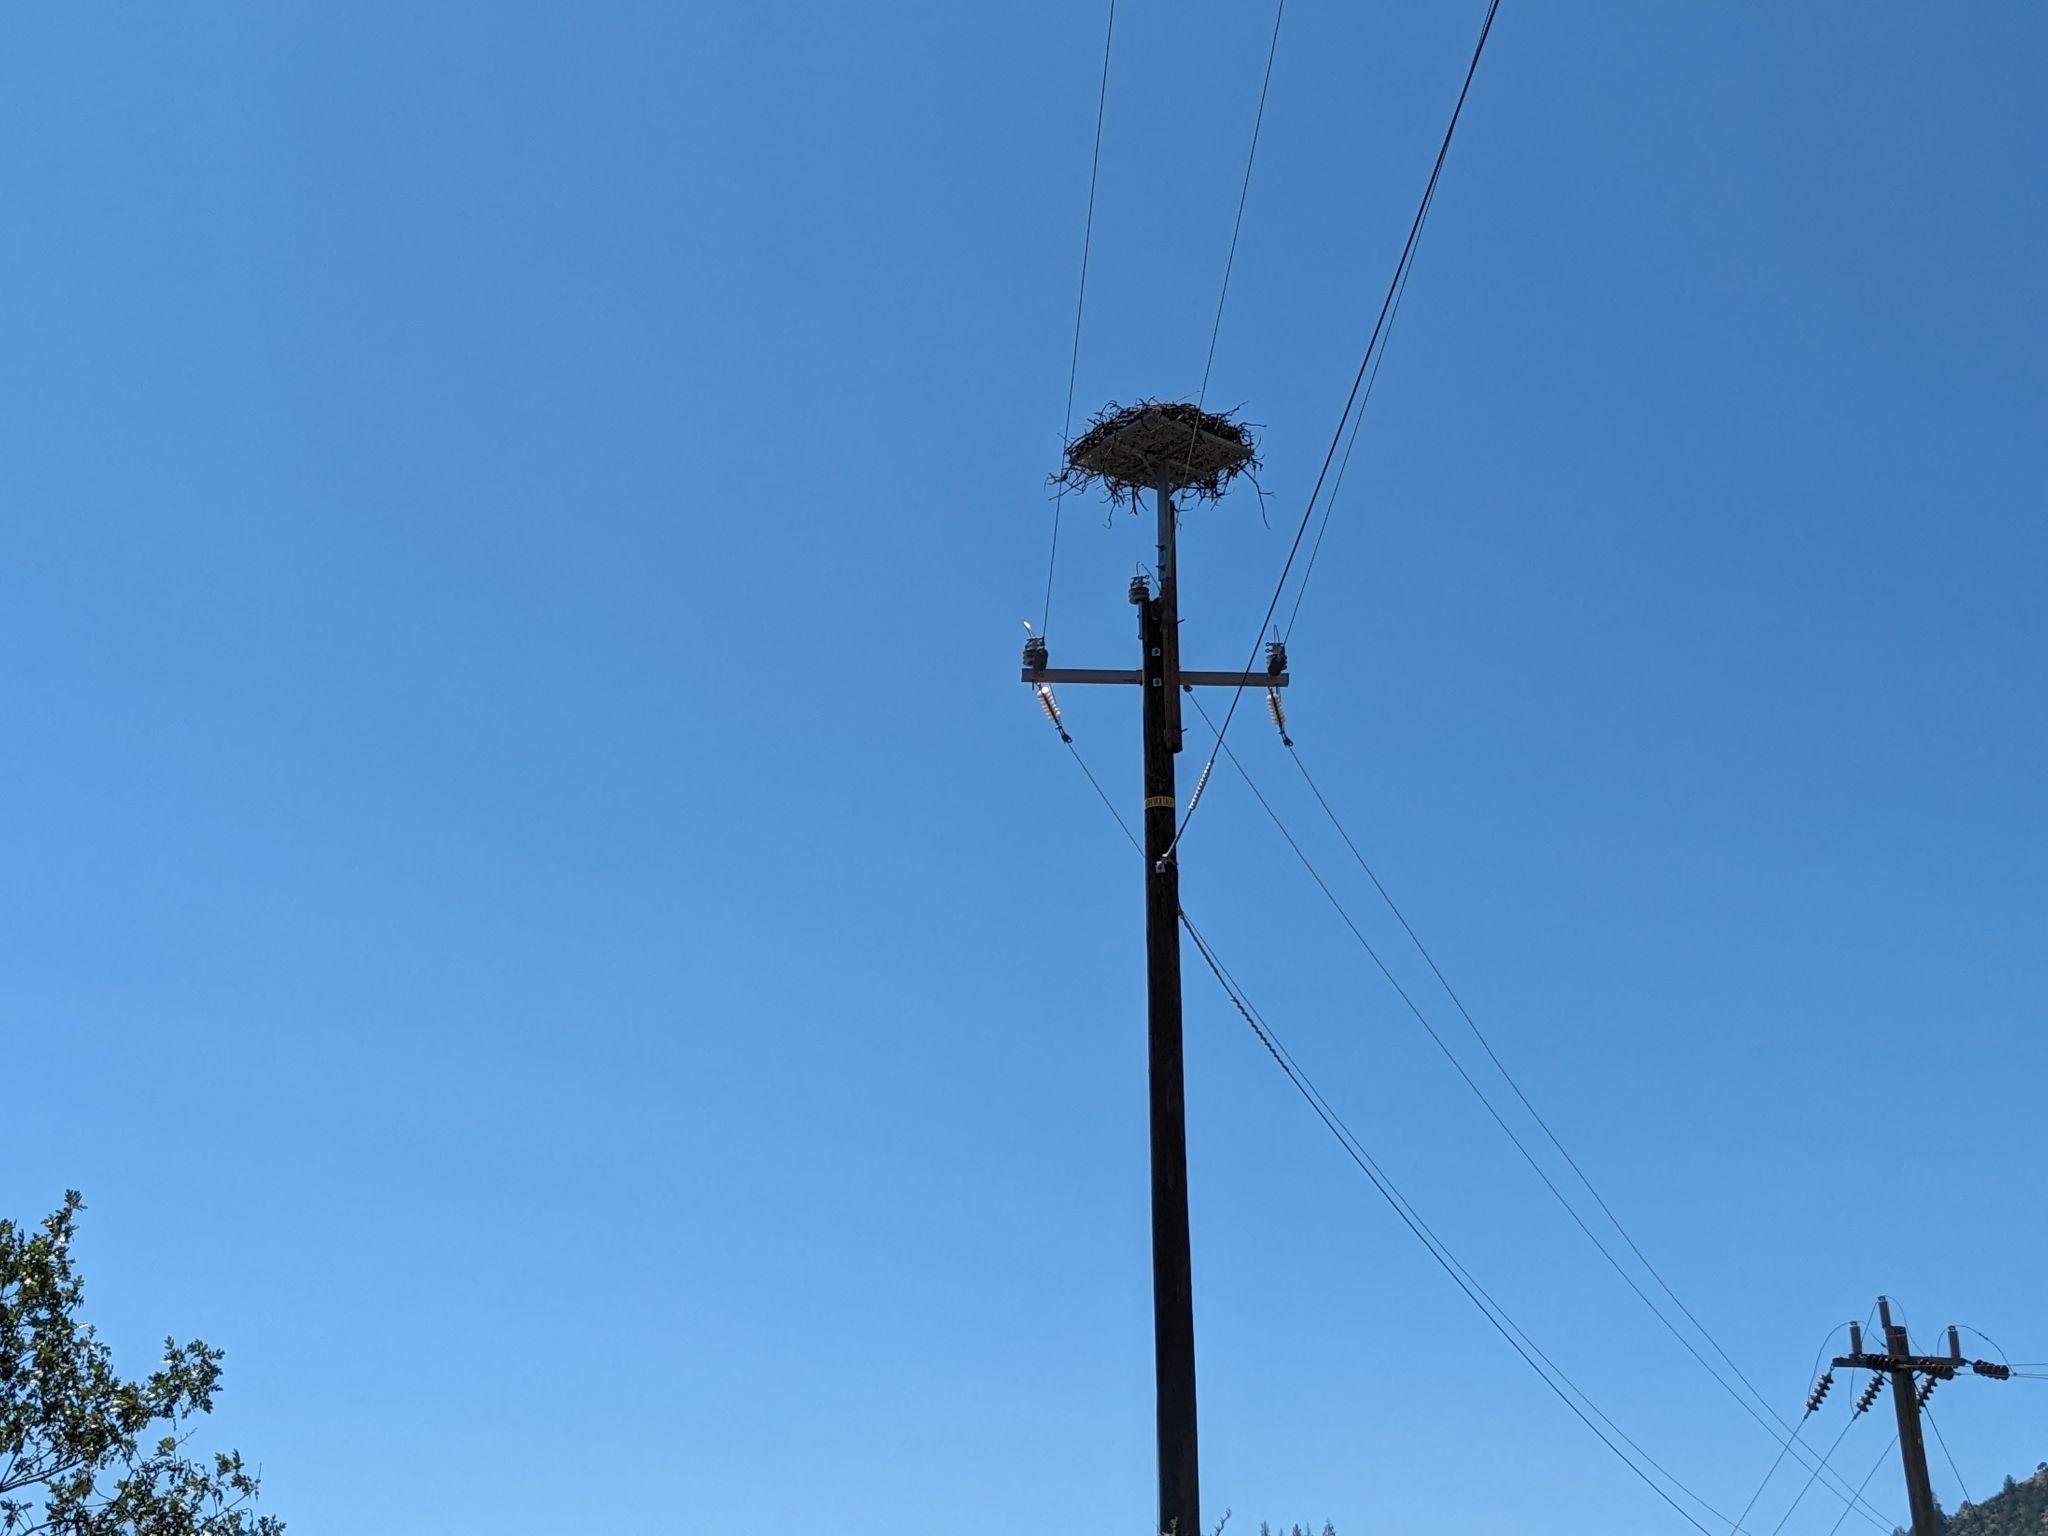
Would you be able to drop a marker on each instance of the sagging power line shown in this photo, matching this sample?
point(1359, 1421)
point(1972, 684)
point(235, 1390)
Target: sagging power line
point(1080, 306)
point(1364, 362)
point(1547, 1370)
point(1761, 1410)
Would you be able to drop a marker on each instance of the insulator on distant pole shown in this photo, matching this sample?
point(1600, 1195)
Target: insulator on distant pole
point(1279, 714)
point(1820, 1392)
point(1051, 707)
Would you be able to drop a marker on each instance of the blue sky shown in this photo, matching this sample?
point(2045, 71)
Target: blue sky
point(540, 919)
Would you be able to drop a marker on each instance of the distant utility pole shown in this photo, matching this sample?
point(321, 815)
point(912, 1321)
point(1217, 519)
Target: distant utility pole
point(1899, 1365)
point(1165, 450)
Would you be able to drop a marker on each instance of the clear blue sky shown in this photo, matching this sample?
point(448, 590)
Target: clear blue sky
point(540, 919)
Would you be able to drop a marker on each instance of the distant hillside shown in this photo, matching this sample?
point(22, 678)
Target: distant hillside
point(2021, 1510)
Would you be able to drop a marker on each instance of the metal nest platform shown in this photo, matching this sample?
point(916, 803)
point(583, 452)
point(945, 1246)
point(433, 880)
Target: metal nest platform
point(1158, 445)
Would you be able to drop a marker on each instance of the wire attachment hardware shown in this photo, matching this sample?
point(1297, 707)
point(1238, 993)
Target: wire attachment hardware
point(1276, 666)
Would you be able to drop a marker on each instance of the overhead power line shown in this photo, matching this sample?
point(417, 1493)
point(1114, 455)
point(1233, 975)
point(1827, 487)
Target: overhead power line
point(1103, 795)
point(1807, 1487)
point(1244, 193)
point(1812, 1407)
point(1379, 356)
point(1080, 304)
point(1942, 1440)
point(1514, 1085)
point(1547, 1370)
point(1783, 1434)
point(1883, 1456)
point(1358, 381)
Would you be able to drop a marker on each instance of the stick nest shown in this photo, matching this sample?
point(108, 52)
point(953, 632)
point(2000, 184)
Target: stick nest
point(1134, 448)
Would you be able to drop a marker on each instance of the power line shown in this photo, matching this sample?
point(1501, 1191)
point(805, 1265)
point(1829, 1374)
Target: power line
point(1813, 1403)
point(1488, 1308)
point(1504, 1323)
point(1080, 302)
point(1103, 795)
point(1516, 1336)
point(1882, 1457)
point(1783, 1434)
point(1980, 1333)
point(1344, 464)
point(1807, 1487)
point(1509, 1078)
point(1364, 362)
point(1778, 1462)
point(1244, 192)
point(1942, 1440)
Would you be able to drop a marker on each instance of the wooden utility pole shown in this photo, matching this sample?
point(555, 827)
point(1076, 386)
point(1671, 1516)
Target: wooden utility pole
point(1900, 1366)
point(1163, 452)
point(1173, 1300)
point(1912, 1443)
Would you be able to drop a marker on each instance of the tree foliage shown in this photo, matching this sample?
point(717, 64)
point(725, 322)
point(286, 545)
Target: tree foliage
point(82, 1451)
point(2018, 1509)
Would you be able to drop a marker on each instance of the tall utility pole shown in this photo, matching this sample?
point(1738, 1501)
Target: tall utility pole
point(1899, 1365)
point(1163, 450)
point(1173, 1300)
